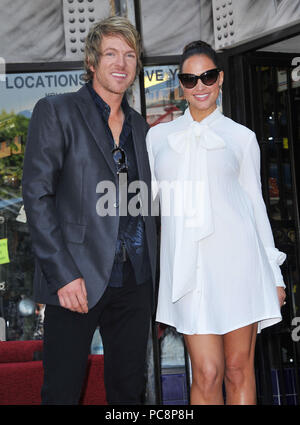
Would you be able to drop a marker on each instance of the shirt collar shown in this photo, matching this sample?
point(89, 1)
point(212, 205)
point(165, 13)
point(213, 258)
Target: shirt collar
point(210, 119)
point(103, 106)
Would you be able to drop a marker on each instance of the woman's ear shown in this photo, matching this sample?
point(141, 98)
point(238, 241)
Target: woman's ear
point(221, 78)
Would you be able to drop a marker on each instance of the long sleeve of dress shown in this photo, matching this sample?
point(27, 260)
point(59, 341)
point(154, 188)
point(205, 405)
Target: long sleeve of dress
point(250, 180)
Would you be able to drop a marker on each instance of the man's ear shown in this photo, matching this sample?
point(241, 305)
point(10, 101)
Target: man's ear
point(91, 68)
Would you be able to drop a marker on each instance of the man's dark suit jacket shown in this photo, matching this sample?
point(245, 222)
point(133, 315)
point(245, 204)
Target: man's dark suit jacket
point(67, 154)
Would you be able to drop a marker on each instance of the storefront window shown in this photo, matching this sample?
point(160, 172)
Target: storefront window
point(277, 96)
point(18, 95)
point(165, 102)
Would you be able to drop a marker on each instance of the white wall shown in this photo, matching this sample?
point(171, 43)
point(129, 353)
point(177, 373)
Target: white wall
point(243, 20)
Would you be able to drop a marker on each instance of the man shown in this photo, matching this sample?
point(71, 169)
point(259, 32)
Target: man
point(92, 268)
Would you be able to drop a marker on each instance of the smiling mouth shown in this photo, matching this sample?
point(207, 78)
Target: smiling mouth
point(119, 75)
point(201, 96)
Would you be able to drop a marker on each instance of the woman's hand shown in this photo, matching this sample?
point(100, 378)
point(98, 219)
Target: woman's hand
point(281, 295)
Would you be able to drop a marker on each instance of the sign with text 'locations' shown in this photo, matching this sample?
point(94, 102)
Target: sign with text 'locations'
point(19, 92)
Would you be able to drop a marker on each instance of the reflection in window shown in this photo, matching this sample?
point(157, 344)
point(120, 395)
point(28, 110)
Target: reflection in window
point(164, 103)
point(18, 95)
point(164, 100)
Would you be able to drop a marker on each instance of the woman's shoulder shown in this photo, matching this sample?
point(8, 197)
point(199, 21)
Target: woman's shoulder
point(164, 129)
point(238, 128)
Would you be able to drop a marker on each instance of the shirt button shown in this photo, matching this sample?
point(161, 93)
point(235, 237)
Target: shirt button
point(116, 204)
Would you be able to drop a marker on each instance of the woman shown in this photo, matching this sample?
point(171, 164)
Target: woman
point(220, 279)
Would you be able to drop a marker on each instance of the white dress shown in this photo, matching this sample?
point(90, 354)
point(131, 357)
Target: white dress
point(219, 267)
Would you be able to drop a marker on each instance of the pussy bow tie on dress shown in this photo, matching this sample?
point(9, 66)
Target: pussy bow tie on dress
point(193, 144)
point(196, 222)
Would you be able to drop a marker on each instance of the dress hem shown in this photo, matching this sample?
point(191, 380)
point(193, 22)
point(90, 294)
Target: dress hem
point(274, 319)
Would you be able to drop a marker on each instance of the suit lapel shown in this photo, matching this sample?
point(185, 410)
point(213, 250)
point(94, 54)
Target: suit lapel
point(97, 128)
point(95, 124)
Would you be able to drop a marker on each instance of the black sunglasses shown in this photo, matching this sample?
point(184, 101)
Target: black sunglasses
point(208, 78)
point(120, 159)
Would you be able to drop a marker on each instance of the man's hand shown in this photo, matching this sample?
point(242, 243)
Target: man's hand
point(73, 296)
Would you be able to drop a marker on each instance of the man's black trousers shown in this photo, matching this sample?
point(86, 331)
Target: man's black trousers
point(123, 315)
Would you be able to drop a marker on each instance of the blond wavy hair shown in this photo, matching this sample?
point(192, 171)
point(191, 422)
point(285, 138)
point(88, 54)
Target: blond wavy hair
point(114, 25)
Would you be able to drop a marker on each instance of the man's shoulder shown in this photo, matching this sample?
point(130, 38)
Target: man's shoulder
point(63, 100)
point(138, 119)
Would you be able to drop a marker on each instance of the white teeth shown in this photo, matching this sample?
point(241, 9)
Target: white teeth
point(117, 74)
point(201, 95)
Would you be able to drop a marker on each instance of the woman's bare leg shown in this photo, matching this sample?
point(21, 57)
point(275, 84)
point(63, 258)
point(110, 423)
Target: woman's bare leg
point(207, 359)
point(239, 349)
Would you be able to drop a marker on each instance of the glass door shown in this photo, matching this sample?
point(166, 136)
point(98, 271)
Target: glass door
point(275, 117)
point(164, 102)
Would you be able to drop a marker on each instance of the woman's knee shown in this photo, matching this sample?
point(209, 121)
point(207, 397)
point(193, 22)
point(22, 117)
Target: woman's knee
point(208, 376)
point(238, 368)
